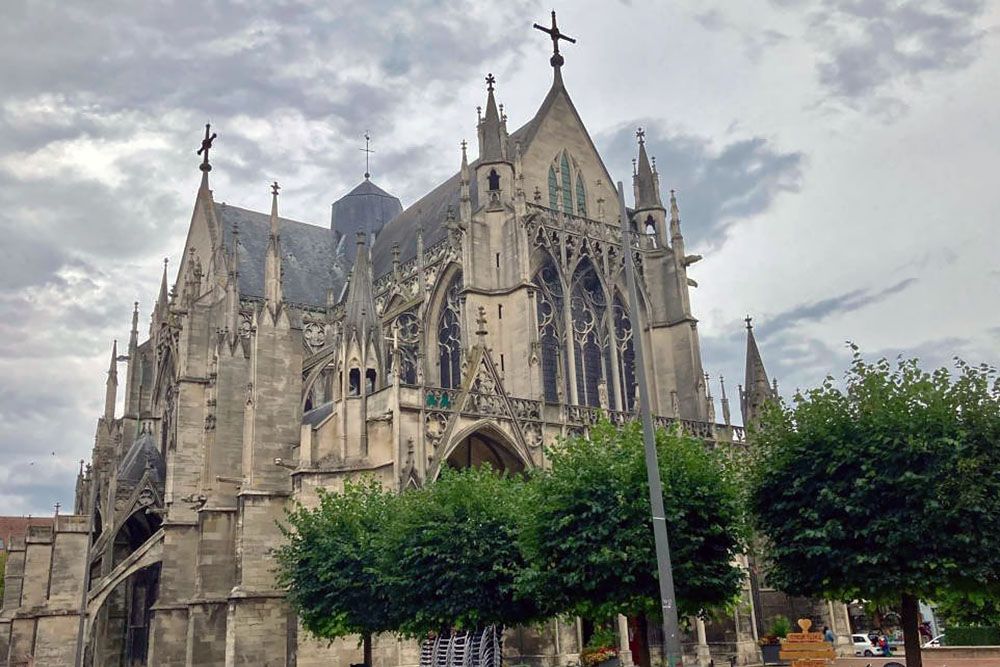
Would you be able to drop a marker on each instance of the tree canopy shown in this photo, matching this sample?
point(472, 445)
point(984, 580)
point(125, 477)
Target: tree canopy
point(885, 489)
point(328, 562)
point(450, 554)
point(588, 536)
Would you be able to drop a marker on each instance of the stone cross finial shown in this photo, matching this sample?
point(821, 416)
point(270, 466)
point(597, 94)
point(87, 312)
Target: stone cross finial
point(556, 60)
point(749, 321)
point(274, 188)
point(58, 506)
point(206, 145)
point(640, 134)
point(490, 80)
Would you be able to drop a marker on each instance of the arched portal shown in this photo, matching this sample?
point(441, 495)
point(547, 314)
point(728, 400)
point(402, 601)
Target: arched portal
point(481, 448)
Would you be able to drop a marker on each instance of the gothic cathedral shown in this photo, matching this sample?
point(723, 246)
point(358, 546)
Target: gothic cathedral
point(477, 325)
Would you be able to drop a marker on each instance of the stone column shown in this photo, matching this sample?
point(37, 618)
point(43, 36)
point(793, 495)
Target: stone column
point(703, 652)
point(624, 652)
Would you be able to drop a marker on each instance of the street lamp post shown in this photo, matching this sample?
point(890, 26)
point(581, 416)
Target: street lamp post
point(668, 601)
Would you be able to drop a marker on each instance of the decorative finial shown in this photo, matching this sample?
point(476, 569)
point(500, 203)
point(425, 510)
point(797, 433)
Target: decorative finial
point(206, 145)
point(556, 60)
point(368, 151)
point(749, 321)
point(635, 169)
point(274, 190)
point(653, 160)
point(490, 80)
point(640, 134)
point(464, 145)
point(58, 506)
point(479, 114)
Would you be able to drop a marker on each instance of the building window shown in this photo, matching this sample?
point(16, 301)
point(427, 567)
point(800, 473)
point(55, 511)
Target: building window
point(549, 311)
point(588, 308)
point(553, 189)
point(581, 197)
point(494, 180)
point(354, 382)
point(405, 334)
point(625, 351)
point(370, 378)
point(450, 335)
point(567, 184)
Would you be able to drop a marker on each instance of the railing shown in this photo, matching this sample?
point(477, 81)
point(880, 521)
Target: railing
point(528, 410)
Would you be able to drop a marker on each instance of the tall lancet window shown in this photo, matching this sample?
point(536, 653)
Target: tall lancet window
point(549, 303)
point(567, 183)
point(588, 308)
point(625, 351)
point(553, 189)
point(405, 333)
point(581, 197)
point(450, 335)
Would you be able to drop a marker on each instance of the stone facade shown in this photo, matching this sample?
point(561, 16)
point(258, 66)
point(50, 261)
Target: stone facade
point(481, 324)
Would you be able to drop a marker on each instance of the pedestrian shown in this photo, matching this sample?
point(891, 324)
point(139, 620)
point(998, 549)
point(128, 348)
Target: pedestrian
point(828, 635)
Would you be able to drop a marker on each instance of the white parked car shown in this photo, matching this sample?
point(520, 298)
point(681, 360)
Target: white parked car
point(863, 646)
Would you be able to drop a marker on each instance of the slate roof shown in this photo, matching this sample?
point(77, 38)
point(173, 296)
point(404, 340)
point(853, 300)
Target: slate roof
point(310, 257)
point(366, 209)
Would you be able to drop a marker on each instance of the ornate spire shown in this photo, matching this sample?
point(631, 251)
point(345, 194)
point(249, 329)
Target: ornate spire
point(556, 60)
point(111, 386)
point(726, 416)
point(647, 194)
point(465, 198)
point(757, 390)
point(272, 260)
point(490, 129)
point(359, 306)
point(133, 337)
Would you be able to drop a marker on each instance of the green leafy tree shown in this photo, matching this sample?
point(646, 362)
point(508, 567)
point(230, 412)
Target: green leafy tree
point(588, 534)
point(975, 608)
point(450, 554)
point(328, 563)
point(886, 490)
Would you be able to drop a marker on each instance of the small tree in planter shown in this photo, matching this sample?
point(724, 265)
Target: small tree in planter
point(770, 644)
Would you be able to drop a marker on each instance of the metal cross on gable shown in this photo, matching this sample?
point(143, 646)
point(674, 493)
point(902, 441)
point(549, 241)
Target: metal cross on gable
point(367, 151)
point(553, 32)
point(206, 145)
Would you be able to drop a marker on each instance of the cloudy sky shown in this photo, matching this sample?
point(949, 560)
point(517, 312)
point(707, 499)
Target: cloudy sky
point(835, 162)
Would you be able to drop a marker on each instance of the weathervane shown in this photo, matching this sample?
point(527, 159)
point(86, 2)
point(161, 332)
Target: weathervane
point(206, 144)
point(553, 32)
point(367, 151)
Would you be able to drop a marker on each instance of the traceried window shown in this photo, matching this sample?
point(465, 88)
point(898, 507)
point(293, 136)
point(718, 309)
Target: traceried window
point(581, 197)
point(404, 333)
point(450, 335)
point(553, 189)
point(625, 351)
point(567, 184)
point(549, 307)
point(597, 359)
point(588, 308)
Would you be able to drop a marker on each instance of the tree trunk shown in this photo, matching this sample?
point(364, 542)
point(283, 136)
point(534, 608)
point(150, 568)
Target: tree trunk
point(367, 650)
point(910, 614)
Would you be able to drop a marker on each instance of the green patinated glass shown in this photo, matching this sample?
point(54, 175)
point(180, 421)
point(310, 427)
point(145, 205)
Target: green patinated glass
point(567, 184)
point(553, 189)
point(581, 196)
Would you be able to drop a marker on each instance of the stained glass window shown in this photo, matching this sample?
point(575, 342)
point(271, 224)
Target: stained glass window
point(450, 335)
point(581, 197)
point(549, 308)
point(567, 184)
point(553, 189)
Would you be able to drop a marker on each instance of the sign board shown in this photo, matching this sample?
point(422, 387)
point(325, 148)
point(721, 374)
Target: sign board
point(806, 649)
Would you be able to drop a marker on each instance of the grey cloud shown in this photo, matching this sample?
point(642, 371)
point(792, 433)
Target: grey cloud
point(842, 303)
point(870, 45)
point(716, 186)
